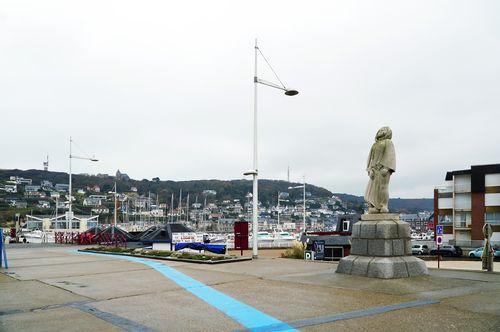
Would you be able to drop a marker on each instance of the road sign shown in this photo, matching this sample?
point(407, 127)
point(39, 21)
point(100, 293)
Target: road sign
point(439, 240)
point(439, 230)
point(309, 255)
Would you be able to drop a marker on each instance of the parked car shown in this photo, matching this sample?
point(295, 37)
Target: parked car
point(478, 252)
point(419, 249)
point(447, 250)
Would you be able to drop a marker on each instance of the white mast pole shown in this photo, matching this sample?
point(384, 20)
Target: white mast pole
point(70, 210)
point(255, 207)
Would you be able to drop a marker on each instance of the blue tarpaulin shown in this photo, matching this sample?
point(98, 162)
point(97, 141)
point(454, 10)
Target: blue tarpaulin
point(215, 248)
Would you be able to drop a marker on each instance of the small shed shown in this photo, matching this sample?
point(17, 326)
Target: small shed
point(163, 237)
point(336, 246)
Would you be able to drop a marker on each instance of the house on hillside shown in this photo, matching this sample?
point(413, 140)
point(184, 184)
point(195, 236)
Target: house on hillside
point(62, 187)
point(94, 200)
point(43, 205)
point(101, 209)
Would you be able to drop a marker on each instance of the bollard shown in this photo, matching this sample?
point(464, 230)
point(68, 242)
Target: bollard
point(3, 253)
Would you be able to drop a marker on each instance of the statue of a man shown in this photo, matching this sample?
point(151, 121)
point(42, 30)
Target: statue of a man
point(381, 164)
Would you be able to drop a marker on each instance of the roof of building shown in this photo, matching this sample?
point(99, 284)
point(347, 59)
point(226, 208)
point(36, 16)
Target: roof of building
point(163, 233)
point(477, 173)
point(332, 240)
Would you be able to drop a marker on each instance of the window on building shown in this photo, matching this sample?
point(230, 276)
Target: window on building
point(345, 225)
point(445, 219)
point(463, 217)
point(492, 217)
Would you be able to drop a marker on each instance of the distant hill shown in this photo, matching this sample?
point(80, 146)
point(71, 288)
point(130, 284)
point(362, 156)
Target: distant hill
point(231, 189)
point(400, 205)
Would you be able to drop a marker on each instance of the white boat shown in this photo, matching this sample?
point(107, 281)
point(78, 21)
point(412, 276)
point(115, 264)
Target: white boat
point(285, 236)
point(38, 236)
point(265, 236)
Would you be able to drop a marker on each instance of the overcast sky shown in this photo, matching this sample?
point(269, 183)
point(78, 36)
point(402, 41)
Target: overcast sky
point(158, 88)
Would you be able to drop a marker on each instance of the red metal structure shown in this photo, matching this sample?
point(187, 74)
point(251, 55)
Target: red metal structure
point(89, 237)
point(107, 239)
point(67, 237)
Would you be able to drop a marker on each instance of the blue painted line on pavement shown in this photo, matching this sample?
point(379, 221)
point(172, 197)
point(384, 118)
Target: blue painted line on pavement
point(251, 318)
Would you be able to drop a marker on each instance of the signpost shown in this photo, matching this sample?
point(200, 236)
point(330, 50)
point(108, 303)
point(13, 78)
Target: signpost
point(439, 230)
point(439, 241)
point(309, 255)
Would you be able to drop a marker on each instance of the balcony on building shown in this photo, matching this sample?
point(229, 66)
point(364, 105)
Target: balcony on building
point(462, 188)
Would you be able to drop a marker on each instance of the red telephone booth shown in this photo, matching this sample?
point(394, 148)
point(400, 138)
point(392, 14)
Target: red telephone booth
point(241, 235)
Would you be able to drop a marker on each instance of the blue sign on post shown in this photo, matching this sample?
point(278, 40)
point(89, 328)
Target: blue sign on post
point(439, 230)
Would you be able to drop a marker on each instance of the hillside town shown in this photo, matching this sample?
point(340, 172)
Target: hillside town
point(26, 201)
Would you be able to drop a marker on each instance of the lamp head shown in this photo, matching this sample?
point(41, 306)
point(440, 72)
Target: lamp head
point(251, 172)
point(291, 92)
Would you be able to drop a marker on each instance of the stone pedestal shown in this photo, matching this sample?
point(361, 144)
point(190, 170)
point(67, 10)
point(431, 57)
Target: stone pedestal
point(381, 248)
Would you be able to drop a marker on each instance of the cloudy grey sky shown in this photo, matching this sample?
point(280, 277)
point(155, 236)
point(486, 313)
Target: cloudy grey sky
point(165, 89)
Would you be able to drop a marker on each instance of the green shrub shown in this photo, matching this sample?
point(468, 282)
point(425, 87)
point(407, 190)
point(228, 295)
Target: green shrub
point(158, 253)
point(162, 253)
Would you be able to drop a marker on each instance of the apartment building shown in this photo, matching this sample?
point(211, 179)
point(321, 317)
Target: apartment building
point(468, 199)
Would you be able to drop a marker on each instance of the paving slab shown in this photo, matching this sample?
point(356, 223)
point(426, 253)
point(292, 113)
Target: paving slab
point(24, 295)
point(263, 267)
point(56, 260)
point(113, 285)
point(469, 265)
point(213, 277)
point(290, 301)
point(465, 275)
point(176, 310)
point(59, 319)
point(35, 252)
point(404, 286)
point(484, 302)
point(73, 269)
point(437, 317)
point(5, 277)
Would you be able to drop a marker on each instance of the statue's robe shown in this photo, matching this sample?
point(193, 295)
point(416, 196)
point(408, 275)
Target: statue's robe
point(382, 154)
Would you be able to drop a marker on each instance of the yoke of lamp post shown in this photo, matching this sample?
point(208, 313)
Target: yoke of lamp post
point(83, 158)
point(288, 92)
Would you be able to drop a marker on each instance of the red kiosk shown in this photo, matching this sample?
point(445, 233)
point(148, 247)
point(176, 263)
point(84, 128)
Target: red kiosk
point(241, 235)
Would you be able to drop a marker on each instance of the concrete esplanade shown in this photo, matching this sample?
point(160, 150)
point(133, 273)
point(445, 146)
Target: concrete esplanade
point(381, 248)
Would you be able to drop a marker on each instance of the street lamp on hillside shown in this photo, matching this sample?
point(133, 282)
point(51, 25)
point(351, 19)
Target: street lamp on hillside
point(70, 189)
point(254, 172)
point(303, 186)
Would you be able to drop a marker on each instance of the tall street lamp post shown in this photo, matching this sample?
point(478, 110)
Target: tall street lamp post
point(254, 172)
point(303, 186)
point(70, 189)
point(278, 208)
point(115, 194)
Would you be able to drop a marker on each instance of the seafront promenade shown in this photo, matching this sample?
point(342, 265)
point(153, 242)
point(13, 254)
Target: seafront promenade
point(56, 288)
